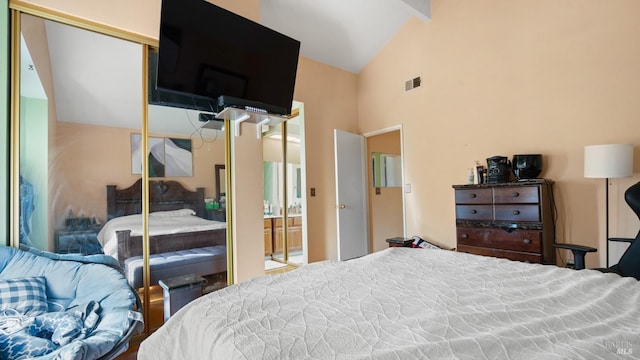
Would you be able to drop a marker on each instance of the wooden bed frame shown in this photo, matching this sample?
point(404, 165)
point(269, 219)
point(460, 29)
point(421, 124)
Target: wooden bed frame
point(163, 196)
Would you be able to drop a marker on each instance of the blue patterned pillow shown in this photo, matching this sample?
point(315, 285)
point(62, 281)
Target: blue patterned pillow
point(26, 295)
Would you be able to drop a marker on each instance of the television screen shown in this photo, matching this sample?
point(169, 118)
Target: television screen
point(208, 51)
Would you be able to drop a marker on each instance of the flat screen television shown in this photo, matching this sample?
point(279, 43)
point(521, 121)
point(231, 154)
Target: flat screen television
point(209, 52)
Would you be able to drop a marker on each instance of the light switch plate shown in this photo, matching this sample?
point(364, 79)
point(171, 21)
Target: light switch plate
point(407, 188)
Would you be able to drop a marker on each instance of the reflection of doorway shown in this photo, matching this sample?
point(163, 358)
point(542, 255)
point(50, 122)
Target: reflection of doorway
point(386, 198)
point(284, 198)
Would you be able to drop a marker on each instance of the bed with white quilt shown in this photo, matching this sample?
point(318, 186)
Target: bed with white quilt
point(181, 240)
point(403, 303)
point(171, 222)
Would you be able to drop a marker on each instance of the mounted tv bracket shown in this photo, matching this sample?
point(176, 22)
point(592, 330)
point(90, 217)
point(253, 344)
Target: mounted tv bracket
point(238, 116)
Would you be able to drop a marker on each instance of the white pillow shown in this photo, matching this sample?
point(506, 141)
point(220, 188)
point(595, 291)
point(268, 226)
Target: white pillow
point(173, 213)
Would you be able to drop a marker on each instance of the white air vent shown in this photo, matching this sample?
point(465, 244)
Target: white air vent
point(412, 83)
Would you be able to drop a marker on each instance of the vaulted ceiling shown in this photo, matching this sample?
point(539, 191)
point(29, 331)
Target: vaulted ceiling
point(346, 34)
point(95, 76)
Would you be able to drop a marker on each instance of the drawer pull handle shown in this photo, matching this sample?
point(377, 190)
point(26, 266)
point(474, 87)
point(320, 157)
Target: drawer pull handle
point(516, 212)
point(515, 194)
point(465, 236)
point(472, 195)
point(527, 241)
point(474, 211)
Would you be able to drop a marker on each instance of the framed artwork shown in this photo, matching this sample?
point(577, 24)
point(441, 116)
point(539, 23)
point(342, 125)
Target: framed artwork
point(167, 157)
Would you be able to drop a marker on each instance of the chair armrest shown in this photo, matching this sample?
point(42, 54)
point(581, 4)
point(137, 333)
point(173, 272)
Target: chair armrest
point(579, 252)
point(629, 240)
point(575, 247)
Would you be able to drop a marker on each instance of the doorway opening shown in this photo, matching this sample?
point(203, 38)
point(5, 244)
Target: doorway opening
point(385, 186)
point(284, 195)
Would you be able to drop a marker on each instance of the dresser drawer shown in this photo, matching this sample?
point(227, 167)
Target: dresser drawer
point(516, 195)
point(474, 212)
point(517, 240)
point(474, 196)
point(505, 254)
point(517, 212)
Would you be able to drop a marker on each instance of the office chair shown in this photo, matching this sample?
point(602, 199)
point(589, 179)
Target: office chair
point(629, 263)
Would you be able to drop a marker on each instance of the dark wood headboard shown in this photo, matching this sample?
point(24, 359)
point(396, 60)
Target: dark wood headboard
point(163, 196)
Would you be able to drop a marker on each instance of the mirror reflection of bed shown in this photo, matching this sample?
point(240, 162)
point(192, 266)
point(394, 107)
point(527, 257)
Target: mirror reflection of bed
point(181, 240)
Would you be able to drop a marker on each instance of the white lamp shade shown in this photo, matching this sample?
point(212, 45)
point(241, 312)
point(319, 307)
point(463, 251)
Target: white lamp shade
point(608, 161)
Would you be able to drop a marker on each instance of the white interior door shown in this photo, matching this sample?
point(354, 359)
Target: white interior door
point(351, 195)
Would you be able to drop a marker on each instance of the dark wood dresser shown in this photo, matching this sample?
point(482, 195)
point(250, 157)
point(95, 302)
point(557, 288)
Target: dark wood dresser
point(512, 220)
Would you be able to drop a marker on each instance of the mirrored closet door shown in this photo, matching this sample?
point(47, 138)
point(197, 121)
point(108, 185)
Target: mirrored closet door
point(284, 194)
point(186, 162)
point(80, 99)
point(89, 133)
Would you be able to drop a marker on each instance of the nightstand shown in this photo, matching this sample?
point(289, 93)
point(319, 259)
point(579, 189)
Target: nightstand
point(83, 241)
point(400, 242)
point(216, 214)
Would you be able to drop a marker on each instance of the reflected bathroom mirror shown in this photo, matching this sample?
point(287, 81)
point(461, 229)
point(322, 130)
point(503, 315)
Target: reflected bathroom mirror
point(283, 169)
point(387, 170)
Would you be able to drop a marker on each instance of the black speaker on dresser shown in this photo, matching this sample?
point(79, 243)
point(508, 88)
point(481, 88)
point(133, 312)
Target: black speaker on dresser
point(498, 168)
point(526, 167)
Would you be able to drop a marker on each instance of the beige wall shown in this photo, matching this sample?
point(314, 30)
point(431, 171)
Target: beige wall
point(504, 77)
point(385, 209)
point(247, 204)
point(329, 97)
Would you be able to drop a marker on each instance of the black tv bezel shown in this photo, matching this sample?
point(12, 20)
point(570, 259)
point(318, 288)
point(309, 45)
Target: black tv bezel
point(173, 16)
point(164, 97)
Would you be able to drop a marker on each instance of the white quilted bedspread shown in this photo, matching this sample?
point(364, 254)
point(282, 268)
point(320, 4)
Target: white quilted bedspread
point(404, 303)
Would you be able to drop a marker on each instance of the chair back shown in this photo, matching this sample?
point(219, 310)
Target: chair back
point(629, 264)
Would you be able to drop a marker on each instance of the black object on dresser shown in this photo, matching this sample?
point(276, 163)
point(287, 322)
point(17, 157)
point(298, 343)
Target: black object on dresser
point(512, 220)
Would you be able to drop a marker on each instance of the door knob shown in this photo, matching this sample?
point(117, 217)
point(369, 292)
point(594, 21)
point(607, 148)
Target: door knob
point(342, 206)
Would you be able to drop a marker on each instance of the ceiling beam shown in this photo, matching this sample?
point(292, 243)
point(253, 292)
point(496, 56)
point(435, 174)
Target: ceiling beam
point(420, 8)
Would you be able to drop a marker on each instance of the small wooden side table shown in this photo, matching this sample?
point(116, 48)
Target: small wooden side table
point(400, 242)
